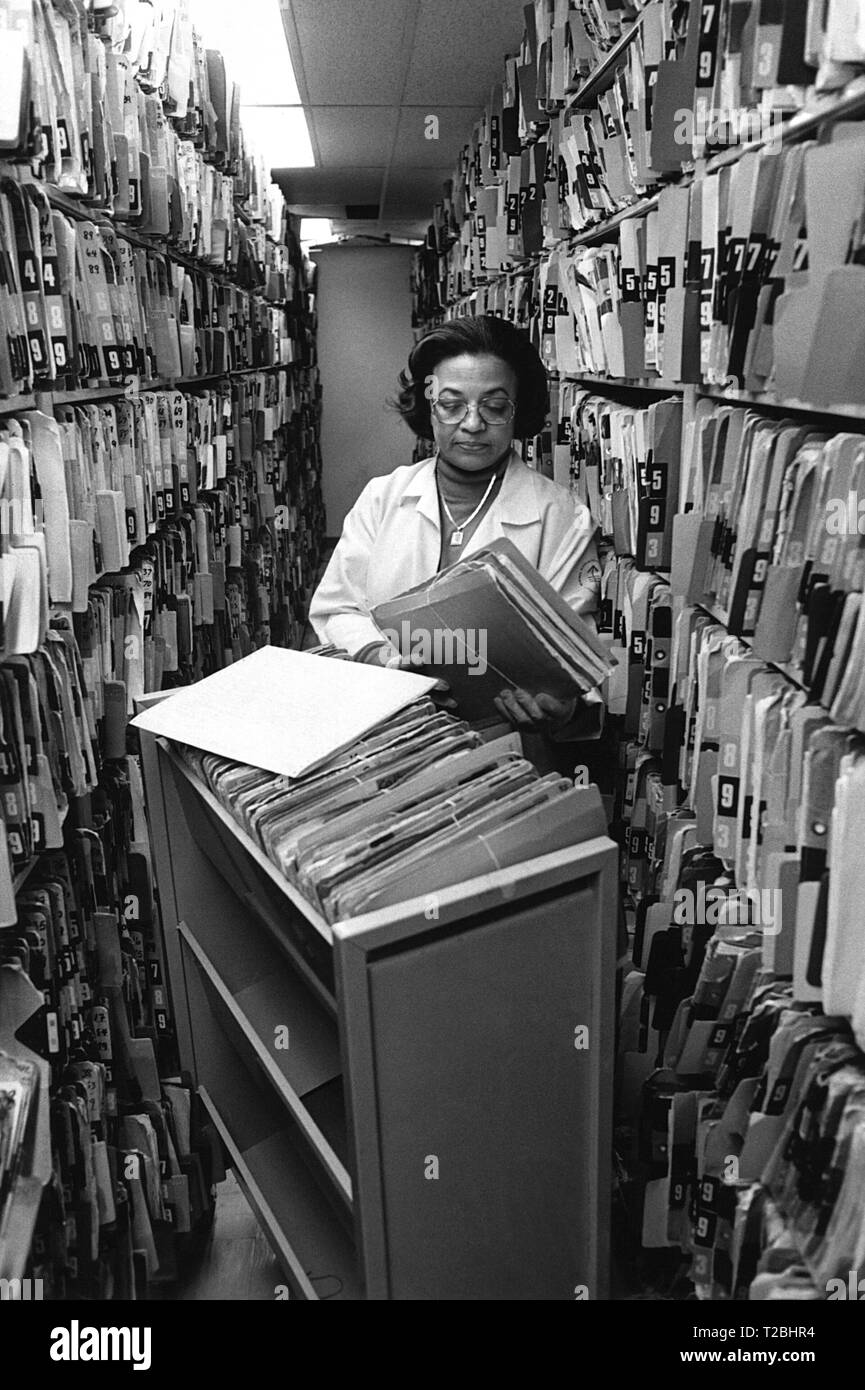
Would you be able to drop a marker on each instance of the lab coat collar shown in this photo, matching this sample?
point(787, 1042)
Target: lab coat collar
point(516, 504)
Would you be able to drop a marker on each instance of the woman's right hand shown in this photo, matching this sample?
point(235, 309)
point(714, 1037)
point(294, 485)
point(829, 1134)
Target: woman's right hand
point(383, 654)
point(441, 691)
point(378, 654)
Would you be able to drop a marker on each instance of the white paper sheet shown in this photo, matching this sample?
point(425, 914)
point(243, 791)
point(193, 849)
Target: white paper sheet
point(281, 710)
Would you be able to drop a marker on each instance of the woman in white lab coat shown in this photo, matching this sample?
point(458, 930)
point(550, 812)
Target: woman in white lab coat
point(472, 386)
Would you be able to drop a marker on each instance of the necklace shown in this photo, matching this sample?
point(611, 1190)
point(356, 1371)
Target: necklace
point(462, 527)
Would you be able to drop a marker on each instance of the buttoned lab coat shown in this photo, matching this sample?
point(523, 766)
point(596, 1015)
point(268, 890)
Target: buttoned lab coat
point(391, 540)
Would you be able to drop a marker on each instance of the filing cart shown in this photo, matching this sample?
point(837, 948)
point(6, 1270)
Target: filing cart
point(417, 1102)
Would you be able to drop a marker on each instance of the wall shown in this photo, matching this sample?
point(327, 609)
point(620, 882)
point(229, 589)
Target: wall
point(364, 338)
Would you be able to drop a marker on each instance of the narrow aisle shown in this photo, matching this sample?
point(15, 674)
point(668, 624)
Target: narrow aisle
point(236, 1262)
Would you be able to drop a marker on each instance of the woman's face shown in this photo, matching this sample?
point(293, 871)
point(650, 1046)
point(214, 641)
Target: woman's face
point(473, 444)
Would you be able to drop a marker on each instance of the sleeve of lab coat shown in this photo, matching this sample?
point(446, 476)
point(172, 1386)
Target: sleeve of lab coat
point(575, 569)
point(338, 610)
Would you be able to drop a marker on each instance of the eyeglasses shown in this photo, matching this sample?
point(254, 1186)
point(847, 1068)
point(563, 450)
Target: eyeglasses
point(498, 412)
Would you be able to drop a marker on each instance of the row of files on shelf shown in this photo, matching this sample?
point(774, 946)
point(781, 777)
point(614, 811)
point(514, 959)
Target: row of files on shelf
point(82, 305)
point(745, 1110)
point(130, 110)
point(759, 775)
point(704, 57)
point(758, 520)
point(743, 1019)
point(524, 184)
point(121, 1162)
point(214, 498)
point(735, 279)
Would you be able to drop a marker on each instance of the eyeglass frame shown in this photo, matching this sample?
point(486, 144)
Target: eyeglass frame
point(479, 407)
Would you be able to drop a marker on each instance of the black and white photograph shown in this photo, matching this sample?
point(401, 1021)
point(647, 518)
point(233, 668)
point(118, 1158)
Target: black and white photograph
point(432, 712)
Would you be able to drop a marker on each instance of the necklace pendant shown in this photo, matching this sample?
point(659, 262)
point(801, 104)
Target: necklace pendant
point(457, 538)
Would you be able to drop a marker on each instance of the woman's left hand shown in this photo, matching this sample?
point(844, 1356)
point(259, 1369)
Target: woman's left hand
point(540, 713)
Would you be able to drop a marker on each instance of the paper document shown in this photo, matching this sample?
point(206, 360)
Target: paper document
point(281, 710)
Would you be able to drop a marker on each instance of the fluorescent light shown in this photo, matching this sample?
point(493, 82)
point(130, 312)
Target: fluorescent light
point(251, 39)
point(280, 134)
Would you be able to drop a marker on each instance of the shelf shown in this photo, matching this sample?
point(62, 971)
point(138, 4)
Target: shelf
point(597, 82)
point(13, 405)
point(664, 388)
point(758, 400)
point(96, 393)
point(769, 401)
point(309, 1227)
point(799, 125)
point(602, 229)
point(260, 995)
point(788, 672)
point(148, 241)
point(315, 1250)
point(255, 852)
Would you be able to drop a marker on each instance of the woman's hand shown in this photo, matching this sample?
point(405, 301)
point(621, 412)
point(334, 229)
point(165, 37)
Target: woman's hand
point(441, 691)
point(540, 713)
point(383, 654)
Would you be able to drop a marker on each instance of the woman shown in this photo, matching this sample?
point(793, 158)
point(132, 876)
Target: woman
point(472, 386)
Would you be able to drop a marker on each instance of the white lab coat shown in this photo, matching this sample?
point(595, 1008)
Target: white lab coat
point(391, 541)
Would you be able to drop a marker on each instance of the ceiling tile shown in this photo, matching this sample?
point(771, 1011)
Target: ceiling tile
point(355, 135)
point(459, 49)
point(352, 51)
point(371, 71)
point(414, 149)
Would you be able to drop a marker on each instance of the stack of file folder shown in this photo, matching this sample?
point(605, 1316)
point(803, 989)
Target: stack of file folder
point(492, 622)
point(126, 106)
point(416, 805)
point(734, 276)
point(213, 499)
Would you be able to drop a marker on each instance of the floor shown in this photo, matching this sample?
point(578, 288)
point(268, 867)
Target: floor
point(236, 1264)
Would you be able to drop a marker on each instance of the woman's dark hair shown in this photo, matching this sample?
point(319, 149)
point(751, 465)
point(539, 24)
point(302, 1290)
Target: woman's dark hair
point(475, 337)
